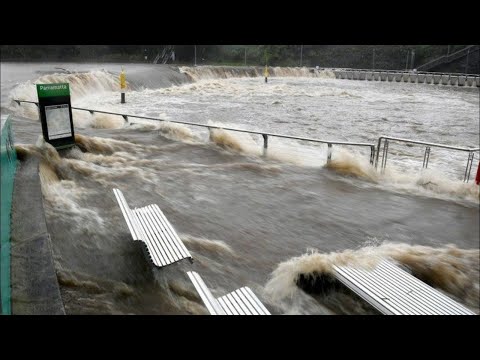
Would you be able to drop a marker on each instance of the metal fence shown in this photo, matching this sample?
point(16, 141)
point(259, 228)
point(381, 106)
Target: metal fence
point(264, 134)
point(373, 158)
point(426, 155)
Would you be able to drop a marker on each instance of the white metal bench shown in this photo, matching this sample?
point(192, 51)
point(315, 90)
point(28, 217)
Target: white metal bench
point(150, 225)
point(239, 302)
point(393, 291)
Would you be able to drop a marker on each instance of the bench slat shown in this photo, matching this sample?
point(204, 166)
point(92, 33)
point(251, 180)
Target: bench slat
point(418, 300)
point(394, 291)
point(440, 300)
point(157, 242)
point(384, 292)
point(434, 293)
point(233, 301)
point(256, 309)
point(262, 309)
point(173, 241)
point(163, 233)
point(365, 293)
point(157, 254)
point(157, 234)
point(422, 304)
point(246, 302)
point(224, 301)
point(239, 302)
point(169, 228)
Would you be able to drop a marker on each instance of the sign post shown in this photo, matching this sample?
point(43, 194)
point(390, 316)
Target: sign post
point(56, 114)
point(123, 85)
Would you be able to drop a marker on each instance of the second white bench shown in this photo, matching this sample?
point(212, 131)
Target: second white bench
point(239, 302)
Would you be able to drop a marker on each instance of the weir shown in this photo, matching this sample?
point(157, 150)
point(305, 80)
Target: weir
point(452, 79)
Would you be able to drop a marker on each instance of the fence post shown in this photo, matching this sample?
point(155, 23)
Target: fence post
point(265, 144)
point(329, 153)
point(384, 156)
point(468, 169)
point(426, 157)
point(378, 151)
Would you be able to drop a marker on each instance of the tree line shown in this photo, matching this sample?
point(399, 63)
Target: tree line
point(354, 56)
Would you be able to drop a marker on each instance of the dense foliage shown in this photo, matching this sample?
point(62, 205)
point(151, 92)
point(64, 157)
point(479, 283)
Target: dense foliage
point(355, 56)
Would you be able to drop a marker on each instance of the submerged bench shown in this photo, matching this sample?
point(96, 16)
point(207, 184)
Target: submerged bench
point(239, 302)
point(149, 224)
point(393, 291)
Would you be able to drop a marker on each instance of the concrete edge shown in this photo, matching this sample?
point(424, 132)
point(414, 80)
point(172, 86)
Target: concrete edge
point(35, 288)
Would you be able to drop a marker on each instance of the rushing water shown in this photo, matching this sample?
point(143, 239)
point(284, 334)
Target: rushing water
point(248, 219)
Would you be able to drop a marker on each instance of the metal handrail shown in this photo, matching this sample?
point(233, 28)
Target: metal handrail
point(426, 156)
point(264, 134)
point(427, 143)
point(374, 153)
point(451, 57)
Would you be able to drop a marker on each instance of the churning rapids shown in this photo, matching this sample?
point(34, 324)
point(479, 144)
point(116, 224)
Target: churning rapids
point(264, 222)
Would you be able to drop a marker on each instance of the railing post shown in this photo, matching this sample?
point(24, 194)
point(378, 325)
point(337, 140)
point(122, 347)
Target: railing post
point(91, 112)
point(426, 157)
point(125, 118)
point(384, 155)
point(329, 153)
point(468, 169)
point(265, 144)
point(378, 151)
point(372, 154)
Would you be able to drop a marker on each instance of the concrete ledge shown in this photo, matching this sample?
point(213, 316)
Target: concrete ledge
point(35, 289)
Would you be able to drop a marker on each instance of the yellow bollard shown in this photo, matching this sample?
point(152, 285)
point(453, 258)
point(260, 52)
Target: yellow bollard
point(123, 85)
point(266, 73)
